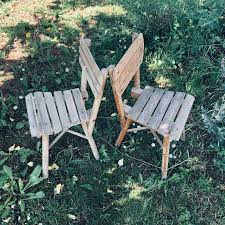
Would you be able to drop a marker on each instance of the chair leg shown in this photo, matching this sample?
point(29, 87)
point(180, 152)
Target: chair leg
point(183, 135)
point(165, 156)
point(91, 141)
point(123, 132)
point(93, 147)
point(45, 155)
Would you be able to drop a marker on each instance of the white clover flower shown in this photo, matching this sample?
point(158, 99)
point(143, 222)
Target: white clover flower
point(30, 164)
point(170, 156)
point(28, 216)
point(12, 206)
point(173, 145)
point(124, 47)
point(57, 72)
point(113, 114)
point(21, 97)
point(58, 189)
point(174, 156)
point(72, 217)
point(67, 70)
point(120, 162)
point(153, 144)
point(54, 166)
point(11, 148)
point(15, 107)
point(124, 146)
point(138, 126)
point(7, 220)
point(23, 69)
point(133, 124)
point(75, 178)
point(125, 101)
point(21, 78)
point(11, 119)
point(120, 40)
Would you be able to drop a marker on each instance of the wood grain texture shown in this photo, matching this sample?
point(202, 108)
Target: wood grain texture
point(63, 115)
point(50, 103)
point(43, 113)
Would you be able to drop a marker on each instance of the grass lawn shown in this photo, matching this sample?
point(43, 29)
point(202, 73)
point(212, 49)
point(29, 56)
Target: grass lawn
point(184, 51)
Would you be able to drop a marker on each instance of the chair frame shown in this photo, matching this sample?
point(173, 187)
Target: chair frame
point(88, 127)
point(126, 122)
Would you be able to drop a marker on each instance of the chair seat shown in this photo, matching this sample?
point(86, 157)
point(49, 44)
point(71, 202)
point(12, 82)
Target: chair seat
point(163, 111)
point(50, 114)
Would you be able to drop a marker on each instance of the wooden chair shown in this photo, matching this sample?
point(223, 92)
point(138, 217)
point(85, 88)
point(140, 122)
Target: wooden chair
point(160, 111)
point(55, 114)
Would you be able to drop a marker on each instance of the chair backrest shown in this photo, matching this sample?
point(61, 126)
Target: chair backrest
point(128, 65)
point(92, 75)
point(90, 70)
point(127, 69)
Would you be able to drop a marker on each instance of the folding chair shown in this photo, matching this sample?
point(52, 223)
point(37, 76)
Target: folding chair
point(55, 114)
point(160, 111)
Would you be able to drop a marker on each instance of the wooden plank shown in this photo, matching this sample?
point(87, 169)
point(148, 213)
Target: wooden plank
point(139, 41)
point(63, 115)
point(50, 102)
point(127, 109)
point(73, 114)
point(80, 105)
point(171, 113)
point(140, 103)
point(160, 110)
point(150, 106)
point(136, 92)
point(182, 117)
point(92, 70)
point(43, 113)
point(32, 116)
point(129, 70)
point(91, 81)
point(90, 59)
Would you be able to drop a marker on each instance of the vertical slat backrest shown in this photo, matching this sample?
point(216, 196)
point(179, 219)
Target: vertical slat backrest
point(90, 71)
point(128, 65)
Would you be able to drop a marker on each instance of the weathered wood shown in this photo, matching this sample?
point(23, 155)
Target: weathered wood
point(73, 114)
point(172, 111)
point(150, 106)
point(165, 156)
point(123, 132)
point(129, 71)
point(127, 109)
point(160, 110)
point(45, 155)
point(63, 115)
point(43, 113)
point(96, 104)
point(136, 92)
point(50, 102)
point(91, 81)
point(34, 124)
point(80, 105)
point(182, 117)
point(136, 45)
point(140, 103)
point(89, 61)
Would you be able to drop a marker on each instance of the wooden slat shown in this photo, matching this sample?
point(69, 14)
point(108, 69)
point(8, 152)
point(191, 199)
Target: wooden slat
point(71, 107)
point(63, 115)
point(80, 105)
point(140, 103)
point(32, 116)
point(171, 113)
point(150, 106)
point(129, 70)
point(43, 113)
point(127, 109)
point(160, 111)
point(182, 117)
point(49, 100)
point(139, 41)
point(91, 62)
point(91, 80)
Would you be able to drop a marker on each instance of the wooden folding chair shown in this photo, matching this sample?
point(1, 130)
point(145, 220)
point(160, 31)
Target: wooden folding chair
point(160, 111)
point(52, 114)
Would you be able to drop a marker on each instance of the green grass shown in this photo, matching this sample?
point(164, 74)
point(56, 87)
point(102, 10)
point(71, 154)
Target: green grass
point(184, 45)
